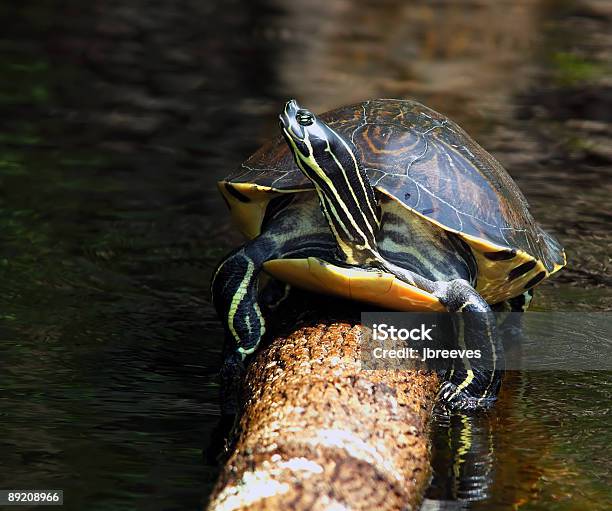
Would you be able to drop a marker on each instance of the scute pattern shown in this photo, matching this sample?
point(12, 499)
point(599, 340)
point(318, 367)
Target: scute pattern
point(428, 163)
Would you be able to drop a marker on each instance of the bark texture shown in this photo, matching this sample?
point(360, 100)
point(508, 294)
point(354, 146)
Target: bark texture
point(318, 432)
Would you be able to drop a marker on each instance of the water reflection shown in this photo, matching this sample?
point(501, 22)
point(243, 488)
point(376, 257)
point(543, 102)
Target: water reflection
point(524, 452)
point(118, 119)
point(463, 463)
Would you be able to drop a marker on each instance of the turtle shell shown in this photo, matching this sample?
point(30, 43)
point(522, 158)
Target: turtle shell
point(434, 169)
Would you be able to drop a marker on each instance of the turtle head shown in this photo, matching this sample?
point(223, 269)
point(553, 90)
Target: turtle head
point(345, 193)
point(307, 136)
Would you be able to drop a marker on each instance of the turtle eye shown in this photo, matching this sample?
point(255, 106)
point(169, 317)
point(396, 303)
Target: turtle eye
point(304, 117)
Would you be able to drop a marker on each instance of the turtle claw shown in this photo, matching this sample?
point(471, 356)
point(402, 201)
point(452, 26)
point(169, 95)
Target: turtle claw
point(453, 400)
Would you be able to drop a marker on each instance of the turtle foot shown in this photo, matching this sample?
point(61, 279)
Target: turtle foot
point(451, 399)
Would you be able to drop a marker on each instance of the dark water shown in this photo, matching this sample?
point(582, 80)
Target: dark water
point(117, 119)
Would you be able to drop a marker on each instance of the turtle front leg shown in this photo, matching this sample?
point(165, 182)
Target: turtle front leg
point(295, 232)
point(469, 386)
point(234, 289)
point(235, 295)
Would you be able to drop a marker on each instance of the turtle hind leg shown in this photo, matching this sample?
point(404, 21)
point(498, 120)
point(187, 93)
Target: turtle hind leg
point(472, 383)
point(510, 321)
point(274, 294)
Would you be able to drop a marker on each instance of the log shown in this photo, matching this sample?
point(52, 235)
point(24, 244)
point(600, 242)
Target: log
point(318, 432)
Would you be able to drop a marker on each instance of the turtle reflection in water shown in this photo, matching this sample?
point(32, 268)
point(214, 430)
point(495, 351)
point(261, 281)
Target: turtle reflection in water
point(390, 203)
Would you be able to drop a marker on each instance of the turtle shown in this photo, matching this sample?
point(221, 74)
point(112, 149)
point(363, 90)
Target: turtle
point(390, 203)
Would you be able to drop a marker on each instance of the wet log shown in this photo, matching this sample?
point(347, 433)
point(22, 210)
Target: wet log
point(318, 432)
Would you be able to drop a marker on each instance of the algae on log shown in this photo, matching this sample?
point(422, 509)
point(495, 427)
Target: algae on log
point(318, 432)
